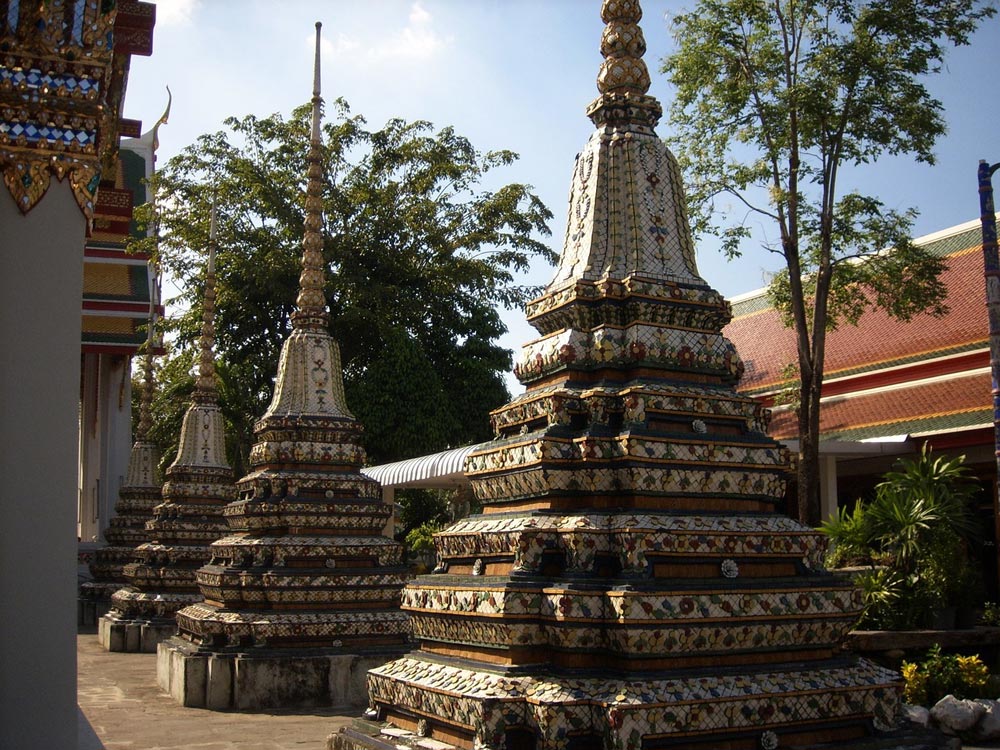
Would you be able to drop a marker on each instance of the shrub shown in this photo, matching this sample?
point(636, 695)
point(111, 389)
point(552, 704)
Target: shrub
point(941, 674)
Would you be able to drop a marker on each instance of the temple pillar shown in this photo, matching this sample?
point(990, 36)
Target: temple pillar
point(828, 487)
point(42, 258)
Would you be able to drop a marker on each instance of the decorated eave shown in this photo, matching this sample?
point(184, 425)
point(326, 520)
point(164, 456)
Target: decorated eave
point(885, 378)
point(62, 86)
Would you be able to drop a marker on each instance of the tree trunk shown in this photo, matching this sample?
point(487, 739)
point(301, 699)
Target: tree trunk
point(808, 459)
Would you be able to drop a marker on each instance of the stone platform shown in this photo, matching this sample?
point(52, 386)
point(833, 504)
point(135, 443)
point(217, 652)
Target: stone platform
point(131, 635)
point(364, 735)
point(266, 679)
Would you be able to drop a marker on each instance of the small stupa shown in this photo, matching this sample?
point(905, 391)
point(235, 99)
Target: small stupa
point(199, 484)
point(630, 582)
point(303, 597)
point(137, 497)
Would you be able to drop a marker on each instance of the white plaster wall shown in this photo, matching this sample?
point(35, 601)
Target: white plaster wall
point(105, 440)
point(41, 278)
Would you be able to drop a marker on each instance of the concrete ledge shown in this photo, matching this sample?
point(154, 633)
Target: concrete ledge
point(132, 636)
point(267, 680)
point(865, 641)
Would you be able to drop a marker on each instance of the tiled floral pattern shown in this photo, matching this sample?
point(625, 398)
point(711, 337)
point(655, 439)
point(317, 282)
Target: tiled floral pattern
point(636, 345)
point(629, 504)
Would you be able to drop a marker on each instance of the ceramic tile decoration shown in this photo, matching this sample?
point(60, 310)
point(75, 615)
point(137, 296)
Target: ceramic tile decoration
point(61, 83)
point(199, 484)
point(305, 582)
point(630, 582)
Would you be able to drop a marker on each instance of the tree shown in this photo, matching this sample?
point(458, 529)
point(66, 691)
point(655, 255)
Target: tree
point(419, 254)
point(776, 100)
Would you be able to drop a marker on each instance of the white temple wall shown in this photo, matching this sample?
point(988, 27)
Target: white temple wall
point(105, 440)
point(41, 256)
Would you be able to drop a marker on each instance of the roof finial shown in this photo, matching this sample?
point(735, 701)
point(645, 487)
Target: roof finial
point(311, 302)
point(623, 79)
point(205, 388)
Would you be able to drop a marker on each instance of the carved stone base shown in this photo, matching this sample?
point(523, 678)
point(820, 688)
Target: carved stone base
point(133, 636)
point(266, 680)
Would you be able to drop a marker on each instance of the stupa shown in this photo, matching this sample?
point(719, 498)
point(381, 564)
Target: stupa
point(630, 582)
point(199, 484)
point(303, 597)
point(138, 495)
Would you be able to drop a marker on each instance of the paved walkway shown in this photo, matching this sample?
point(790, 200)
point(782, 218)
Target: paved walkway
point(122, 708)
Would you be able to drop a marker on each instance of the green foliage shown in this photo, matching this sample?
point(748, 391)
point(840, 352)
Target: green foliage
point(773, 99)
point(991, 614)
point(940, 674)
point(419, 507)
point(918, 526)
point(419, 255)
point(851, 536)
point(421, 538)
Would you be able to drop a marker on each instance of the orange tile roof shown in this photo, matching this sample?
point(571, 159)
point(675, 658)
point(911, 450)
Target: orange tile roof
point(932, 406)
point(878, 341)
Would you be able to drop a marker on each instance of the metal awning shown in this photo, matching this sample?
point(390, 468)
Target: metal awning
point(443, 470)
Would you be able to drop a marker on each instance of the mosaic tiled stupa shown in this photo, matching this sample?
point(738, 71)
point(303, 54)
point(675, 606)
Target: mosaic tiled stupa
point(630, 583)
point(303, 597)
point(198, 486)
point(138, 495)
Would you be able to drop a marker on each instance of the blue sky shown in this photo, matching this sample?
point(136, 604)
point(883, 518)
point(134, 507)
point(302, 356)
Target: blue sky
point(514, 74)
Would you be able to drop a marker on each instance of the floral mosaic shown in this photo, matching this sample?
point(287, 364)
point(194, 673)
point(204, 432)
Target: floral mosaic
point(629, 505)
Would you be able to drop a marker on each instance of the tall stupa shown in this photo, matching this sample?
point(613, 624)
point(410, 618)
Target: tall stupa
point(199, 484)
point(630, 582)
point(302, 598)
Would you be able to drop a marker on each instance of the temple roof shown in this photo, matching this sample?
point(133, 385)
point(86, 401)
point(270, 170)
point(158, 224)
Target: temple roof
point(885, 376)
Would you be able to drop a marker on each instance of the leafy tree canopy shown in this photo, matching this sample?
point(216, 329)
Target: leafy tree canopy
point(420, 255)
point(775, 98)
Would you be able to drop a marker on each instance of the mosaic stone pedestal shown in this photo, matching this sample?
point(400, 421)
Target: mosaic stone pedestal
point(261, 679)
point(630, 583)
point(133, 635)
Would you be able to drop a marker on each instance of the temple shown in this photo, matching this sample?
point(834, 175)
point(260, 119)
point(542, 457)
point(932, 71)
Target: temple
point(303, 596)
point(198, 486)
point(630, 582)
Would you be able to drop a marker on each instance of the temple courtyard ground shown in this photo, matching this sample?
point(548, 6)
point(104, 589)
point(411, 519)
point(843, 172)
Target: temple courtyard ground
point(122, 708)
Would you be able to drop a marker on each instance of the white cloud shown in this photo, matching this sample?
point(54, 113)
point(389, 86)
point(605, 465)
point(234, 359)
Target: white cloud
point(416, 41)
point(176, 12)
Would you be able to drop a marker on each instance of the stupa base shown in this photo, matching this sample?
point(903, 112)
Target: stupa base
point(267, 678)
point(363, 736)
point(94, 601)
point(805, 705)
point(133, 636)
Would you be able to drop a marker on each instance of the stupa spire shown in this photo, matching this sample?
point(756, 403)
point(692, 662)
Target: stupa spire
point(146, 402)
point(205, 389)
point(311, 302)
point(623, 78)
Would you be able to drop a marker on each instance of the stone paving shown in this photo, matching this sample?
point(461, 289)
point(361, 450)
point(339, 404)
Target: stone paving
point(121, 708)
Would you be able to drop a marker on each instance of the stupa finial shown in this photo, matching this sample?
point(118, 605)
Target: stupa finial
point(146, 403)
point(205, 388)
point(311, 302)
point(623, 79)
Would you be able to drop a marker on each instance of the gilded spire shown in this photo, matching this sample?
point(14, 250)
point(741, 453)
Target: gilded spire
point(146, 403)
point(205, 389)
point(311, 302)
point(623, 79)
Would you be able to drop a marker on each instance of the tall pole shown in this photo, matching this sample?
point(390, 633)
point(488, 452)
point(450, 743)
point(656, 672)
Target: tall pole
point(991, 266)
